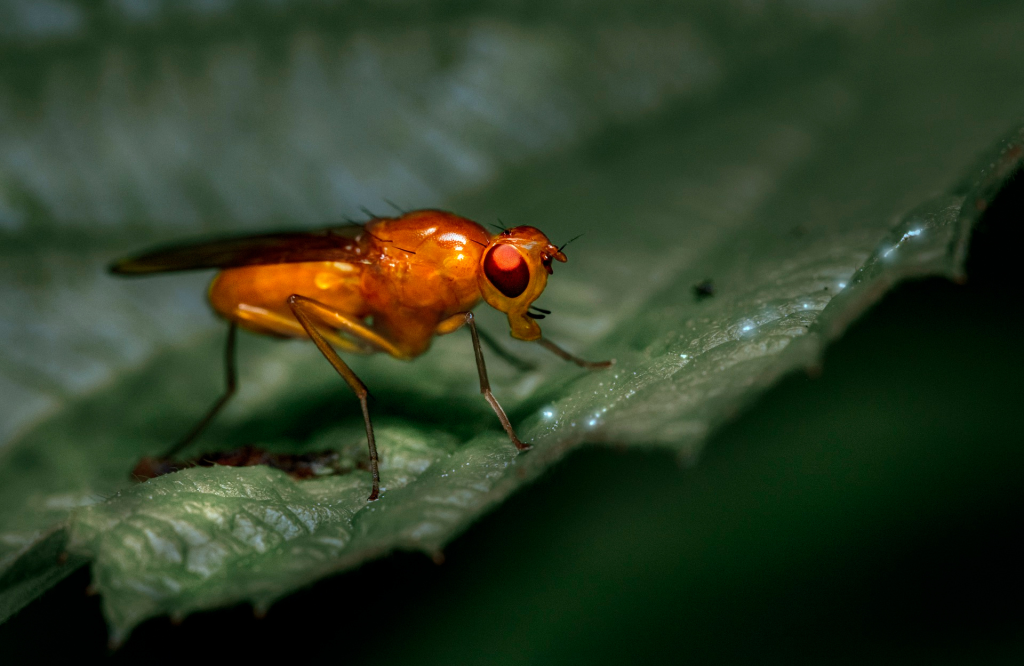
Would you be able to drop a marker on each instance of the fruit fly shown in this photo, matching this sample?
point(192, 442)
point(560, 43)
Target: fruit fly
point(389, 285)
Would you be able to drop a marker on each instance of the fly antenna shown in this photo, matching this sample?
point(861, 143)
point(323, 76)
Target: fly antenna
point(569, 241)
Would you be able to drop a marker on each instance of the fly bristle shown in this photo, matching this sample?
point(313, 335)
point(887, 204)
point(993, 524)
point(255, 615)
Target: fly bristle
point(395, 206)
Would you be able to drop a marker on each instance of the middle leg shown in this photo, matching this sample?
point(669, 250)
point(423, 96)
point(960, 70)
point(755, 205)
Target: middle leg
point(504, 354)
point(485, 386)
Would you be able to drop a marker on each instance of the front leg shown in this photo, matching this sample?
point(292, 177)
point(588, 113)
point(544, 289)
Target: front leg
point(485, 386)
point(561, 353)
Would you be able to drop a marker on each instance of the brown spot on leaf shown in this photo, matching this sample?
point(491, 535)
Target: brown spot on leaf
point(299, 466)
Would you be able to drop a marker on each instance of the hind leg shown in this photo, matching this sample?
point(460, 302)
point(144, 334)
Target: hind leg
point(230, 384)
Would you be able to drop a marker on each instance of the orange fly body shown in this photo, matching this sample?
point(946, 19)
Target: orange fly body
point(389, 285)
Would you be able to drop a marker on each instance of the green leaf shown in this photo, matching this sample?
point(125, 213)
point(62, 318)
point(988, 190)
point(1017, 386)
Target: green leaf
point(761, 150)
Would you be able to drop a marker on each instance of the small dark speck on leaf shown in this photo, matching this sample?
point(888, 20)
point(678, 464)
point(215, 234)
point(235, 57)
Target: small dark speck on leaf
point(704, 289)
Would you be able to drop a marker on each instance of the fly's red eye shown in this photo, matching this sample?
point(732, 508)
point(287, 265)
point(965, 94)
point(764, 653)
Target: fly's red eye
point(507, 270)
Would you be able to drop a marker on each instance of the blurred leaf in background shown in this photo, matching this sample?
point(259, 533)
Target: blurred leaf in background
point(804, 155)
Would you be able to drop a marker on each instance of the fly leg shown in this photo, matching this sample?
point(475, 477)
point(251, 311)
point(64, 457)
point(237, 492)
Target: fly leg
point(305, 309)
point(485, 386)
point(504, 354)
point(231, 377)
point(561, 353)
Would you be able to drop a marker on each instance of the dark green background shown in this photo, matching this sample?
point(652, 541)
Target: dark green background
point(870, 515)
point(867, 515)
